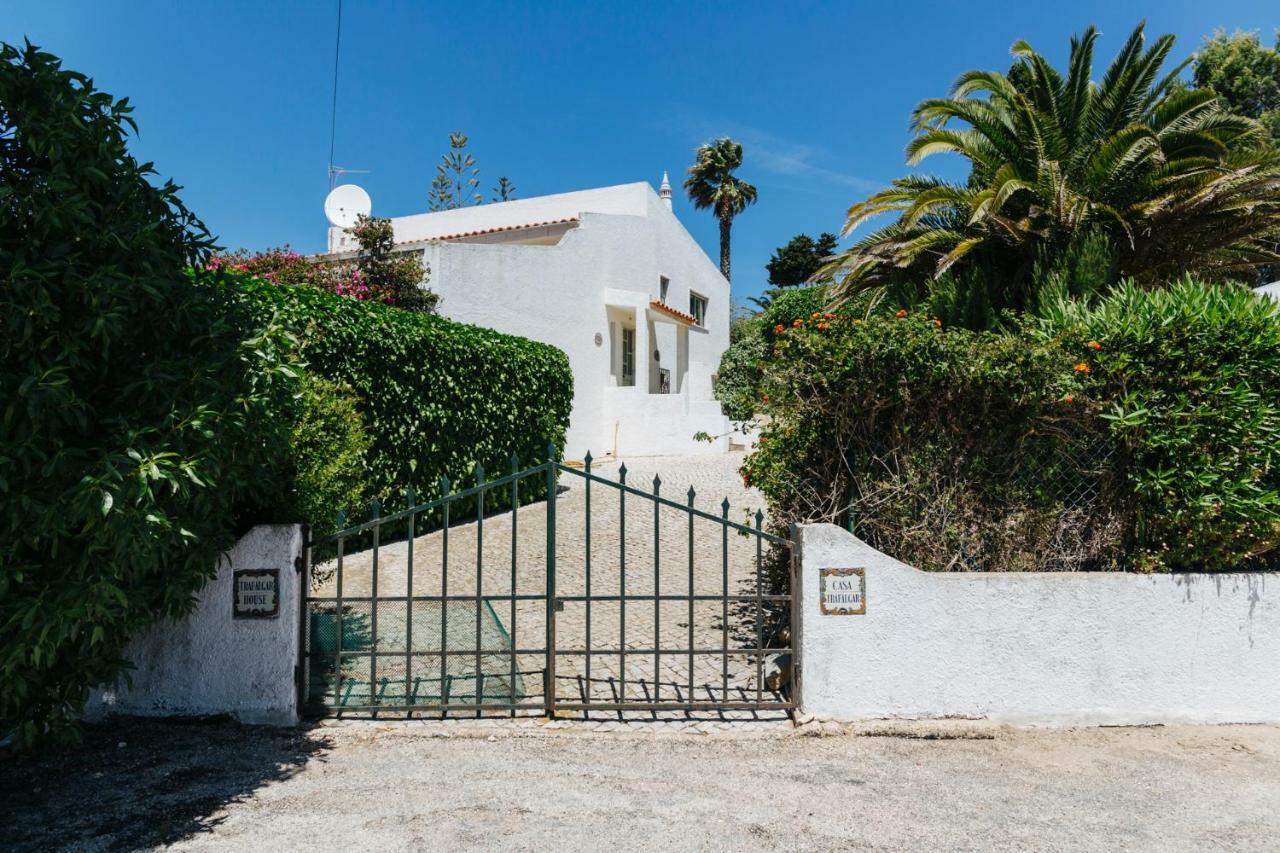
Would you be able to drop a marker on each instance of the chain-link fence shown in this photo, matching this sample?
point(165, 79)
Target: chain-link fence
point(1048, 503)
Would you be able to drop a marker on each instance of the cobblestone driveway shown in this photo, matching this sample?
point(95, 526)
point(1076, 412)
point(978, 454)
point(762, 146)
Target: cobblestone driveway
point(718, 562)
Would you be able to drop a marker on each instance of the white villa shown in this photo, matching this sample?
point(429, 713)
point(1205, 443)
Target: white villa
point(610, 277)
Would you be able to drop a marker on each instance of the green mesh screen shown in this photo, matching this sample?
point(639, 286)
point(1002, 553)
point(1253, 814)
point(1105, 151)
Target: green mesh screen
point(379, 666)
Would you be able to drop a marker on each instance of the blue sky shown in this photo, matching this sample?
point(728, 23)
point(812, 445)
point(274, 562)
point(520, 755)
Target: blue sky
point(233, 98)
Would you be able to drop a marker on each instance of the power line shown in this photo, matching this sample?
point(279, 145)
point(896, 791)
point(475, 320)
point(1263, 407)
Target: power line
point(333, 126)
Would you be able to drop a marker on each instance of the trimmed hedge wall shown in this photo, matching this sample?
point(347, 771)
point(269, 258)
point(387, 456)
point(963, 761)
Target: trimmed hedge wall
point(437, 397)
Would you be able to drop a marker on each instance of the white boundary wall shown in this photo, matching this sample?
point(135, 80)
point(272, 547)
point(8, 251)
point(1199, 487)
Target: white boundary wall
point(1037, 648)
point(212, 663)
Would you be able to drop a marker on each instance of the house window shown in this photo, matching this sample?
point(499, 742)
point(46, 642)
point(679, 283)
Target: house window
point(664, 284)
point(698, 308)
point(628, 357)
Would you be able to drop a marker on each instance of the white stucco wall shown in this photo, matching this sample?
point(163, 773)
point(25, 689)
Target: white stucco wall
point(210, 663)
point(625, 240)
point(1037, 648)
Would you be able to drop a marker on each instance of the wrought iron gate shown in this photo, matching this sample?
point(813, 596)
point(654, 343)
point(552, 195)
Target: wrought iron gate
point(595, 613)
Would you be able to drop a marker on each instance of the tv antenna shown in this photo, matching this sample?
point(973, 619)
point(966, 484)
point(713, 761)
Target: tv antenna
point(335, 171)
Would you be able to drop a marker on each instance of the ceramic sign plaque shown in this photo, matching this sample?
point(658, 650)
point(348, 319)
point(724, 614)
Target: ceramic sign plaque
point(257, 593)
point(843, 592)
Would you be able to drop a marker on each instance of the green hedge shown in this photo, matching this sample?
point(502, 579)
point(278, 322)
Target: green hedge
point(437, 397)
point(328, 448)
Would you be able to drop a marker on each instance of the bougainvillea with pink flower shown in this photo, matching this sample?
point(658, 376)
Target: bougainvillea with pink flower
point(378, 273)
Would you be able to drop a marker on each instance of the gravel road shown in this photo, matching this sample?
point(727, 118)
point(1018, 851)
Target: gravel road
point(445, 786)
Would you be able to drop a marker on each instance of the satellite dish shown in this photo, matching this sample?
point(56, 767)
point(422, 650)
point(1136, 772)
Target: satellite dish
point(345, 203)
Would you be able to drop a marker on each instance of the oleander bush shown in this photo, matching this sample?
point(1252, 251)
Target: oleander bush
point(138, 405)
point(437, 397)
point(741, 365)
point(1188, 383)
point(1140, 433)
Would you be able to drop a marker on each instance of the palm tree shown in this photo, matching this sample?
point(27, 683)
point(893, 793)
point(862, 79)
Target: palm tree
point(1175, 182)
point(712, 184)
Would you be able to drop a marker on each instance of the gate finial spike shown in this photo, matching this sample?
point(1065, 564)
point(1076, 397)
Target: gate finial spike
point(551, 451)
point(409, 498)
point(375, 507)
point(724, 505)
point(622, 473)
point(515, 462)
point(691, 494)
point(759, 518)
point(657, 483)
point(586, 461)
point(341, 519)
point(479, 474)
point(444, 485)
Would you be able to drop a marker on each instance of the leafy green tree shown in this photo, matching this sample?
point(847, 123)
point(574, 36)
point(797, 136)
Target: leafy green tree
point(1176, 182)
point(712, 185)
point(138, 406)
point(794, 263)
point(457, 179)
point(1244, 74)
point(399, 277)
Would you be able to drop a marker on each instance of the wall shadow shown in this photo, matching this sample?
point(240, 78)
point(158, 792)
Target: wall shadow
point(136, 783)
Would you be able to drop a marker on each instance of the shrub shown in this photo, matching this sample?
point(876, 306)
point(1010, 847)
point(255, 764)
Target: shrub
point(1141, 433)
point(742, 365)
point(279, 266)
point(1189, 380)
point(437, 397)
point(945, 441)
point(326, 463)
point(378, 273)
point(136, 411)
point(738, 379)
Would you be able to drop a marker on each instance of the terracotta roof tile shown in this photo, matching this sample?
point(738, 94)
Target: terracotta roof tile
point(499, 229)
point(659, 305)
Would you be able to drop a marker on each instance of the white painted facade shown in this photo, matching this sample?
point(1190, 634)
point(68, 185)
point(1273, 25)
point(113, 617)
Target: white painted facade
point(1272, 290)
point(590, 273)
point(1042, 648)
point(211, 663)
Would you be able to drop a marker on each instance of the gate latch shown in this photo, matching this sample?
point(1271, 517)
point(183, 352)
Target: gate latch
point(559, 605)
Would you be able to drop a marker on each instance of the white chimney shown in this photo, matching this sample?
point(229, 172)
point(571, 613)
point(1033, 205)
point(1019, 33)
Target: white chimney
point(664, 191)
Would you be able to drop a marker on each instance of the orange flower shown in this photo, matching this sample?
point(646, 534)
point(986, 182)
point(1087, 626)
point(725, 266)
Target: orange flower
point(1082, 368)
point(779, 329)
point(1068, 399)
point(817, 314)
point(902, 312)
point(798, 323)
point(831, 316)
point(937, 324)
point(764, 398)
point(1094, 345)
